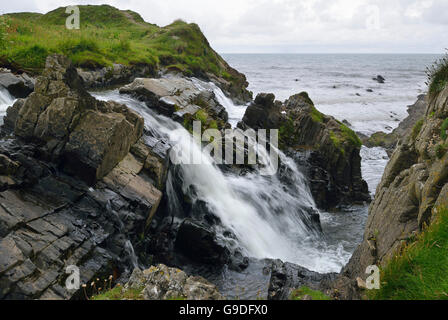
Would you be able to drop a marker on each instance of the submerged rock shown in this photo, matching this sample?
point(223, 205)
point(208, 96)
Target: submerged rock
point(89, 137)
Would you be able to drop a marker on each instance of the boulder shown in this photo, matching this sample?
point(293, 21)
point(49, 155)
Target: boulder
point(263, 113)
point(163, 283)
point(179, 98)
point(19, 86)
point(379, 79)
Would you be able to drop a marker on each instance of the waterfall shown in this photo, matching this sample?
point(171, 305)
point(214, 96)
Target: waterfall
point(268, 215)
point(6, 100)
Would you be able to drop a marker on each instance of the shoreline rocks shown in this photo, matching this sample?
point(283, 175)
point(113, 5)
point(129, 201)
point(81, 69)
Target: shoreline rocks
point(82, 211)
point(331, 149)
point(414, 184)
point(18, 85)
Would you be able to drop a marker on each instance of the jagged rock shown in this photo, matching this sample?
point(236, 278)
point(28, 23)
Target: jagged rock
point(19, 86)
point(163, 283)
point(89, 137)
point(176, 97)
point(12, 113)
point(413, 185)
point(48, 219)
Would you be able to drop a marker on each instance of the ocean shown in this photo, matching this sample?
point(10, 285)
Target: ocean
point(338, 83)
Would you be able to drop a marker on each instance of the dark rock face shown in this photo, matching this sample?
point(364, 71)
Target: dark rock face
point(325, 147)
point(414, 185)
point(263, 113)
point(200, 243)
point(71, 193)
point(19, 86)
point(285, 277)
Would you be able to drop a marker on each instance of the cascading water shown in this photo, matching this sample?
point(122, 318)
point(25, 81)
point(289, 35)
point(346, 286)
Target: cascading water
point(270, 217)
point(6, 100)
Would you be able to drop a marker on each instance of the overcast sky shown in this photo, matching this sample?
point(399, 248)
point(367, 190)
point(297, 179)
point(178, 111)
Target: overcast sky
point(293, 26)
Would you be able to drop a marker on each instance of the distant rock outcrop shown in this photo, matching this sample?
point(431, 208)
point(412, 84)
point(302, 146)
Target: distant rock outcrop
point(389, 141)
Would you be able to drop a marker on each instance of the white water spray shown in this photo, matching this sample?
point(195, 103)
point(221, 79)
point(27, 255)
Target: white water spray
point(268, 217)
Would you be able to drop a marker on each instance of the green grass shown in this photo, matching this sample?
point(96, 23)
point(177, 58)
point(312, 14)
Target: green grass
point(438, 75)
point(420, 270)
point(298, 294)
point(106, 36)
point(119, 293)
point(416, 129)
point(350, 135)
point(443, 129)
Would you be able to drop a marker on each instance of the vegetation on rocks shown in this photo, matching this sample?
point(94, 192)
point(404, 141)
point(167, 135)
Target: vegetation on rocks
point(107, 36)
point(305, 293)
point(119, 293)
point(419, 271)
point(416, 129)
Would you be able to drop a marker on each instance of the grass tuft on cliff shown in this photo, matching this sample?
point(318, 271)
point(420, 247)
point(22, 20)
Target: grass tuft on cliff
point(420, 270)
point(302, 292)
point(107, 35)
point(438, 75)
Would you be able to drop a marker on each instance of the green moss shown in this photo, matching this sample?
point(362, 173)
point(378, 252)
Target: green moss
point(416, 129)
point(350, 135)
point(286, 133)
point(119, 293)
point(420, 270)
point(443, 129)
point(299, 294)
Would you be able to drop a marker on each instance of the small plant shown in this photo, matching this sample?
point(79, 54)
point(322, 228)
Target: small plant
point(299, 294)
point(417, 128)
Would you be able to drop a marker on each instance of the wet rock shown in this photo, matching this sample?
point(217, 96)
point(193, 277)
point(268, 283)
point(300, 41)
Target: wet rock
point(285, 277)
point(199, 243)
point(411, 189)
point(89, 137)
point(331, 149)
point(19, 86)
point(12, 113)
point(263, 113)
point(176, 97)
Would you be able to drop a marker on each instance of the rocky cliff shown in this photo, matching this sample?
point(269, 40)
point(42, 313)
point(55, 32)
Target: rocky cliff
point(327, 148)
point(74, 186)
point(413, 187)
